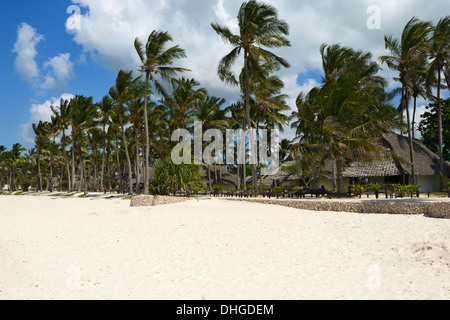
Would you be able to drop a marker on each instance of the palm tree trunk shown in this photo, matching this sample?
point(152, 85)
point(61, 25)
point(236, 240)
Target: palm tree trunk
point(411, 148)
point(66, 160)
point(138, 166)
point(95, 169)
point(147, 141)
point(238, 182)
point(127, 154)
point(339, 174)
point(441, 143)
point(414, 118)
point(80, 157)
point(50, 188)
point(39, 169)
point(118, 167)
point(108, 168)
point(402, 110)
point(103, 161)
point(209, 177)
point(72, 188)
point(61, 177)
point(247, 105)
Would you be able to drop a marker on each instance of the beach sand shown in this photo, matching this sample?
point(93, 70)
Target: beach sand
point(101, 248)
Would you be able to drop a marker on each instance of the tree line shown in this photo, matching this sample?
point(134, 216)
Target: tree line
point(113, 144)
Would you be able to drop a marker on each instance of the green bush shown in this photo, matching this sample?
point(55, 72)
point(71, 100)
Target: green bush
point(375, 186)
point(359, 188)
point(170, 178)
point(218, 188)
point(26, 185)
point(280, 188)
point(407, 188)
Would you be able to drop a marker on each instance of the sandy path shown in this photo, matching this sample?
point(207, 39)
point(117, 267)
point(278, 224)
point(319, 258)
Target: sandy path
point(214, 249)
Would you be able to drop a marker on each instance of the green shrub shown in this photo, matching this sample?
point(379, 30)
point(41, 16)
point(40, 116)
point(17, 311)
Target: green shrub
point(218, 188)
point(280, 188)
point(26, 186)
point(375, 186)
point(407, 188)
point(170, 178)
point(359, 188)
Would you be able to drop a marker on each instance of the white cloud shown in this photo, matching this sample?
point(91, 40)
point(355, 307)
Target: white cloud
point(25, 48)
point(108, 29)
point(59, 70)
point(41, 112)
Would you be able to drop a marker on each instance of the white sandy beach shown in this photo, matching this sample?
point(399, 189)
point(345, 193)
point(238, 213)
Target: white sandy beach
point(97, 248)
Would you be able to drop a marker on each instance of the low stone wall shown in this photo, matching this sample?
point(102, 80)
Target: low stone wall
point(437, 209)
point(151, 201)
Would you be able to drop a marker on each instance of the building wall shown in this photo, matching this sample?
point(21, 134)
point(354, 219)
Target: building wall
point(328, 184)
point(428, 183)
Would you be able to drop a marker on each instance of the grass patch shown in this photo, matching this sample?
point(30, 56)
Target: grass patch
point(19, 193)
point(70, 195)
point(129, 197)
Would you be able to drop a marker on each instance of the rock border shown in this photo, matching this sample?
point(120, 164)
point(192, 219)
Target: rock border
point(151, 201)
point(435, 210)
point(439, 210)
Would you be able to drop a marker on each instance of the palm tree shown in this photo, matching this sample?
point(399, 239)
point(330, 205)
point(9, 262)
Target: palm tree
point(63, 115)
point(259, 27)
point(136, 108)
point(348, 114)
point(406, 56)
point(417, 90)
point(41, 132)
point(105, 110)
point(305, 115)
point(83, 115)
point(440, 62)
point(156, 60)
point(181, 103)
point(208, 111)
point(235, 113)
point(120, 93)
point(14, 160)
point(53, 132)
point(94, 138)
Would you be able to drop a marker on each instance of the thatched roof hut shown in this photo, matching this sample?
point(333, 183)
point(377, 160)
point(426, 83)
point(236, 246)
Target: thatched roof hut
point(426, 163)
point(281, 176)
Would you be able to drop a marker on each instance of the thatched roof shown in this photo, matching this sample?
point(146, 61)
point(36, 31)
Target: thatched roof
point(426, 163)
point(282, 176)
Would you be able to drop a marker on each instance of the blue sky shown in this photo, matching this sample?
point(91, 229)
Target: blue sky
point(42, 60)
point(17, 95)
